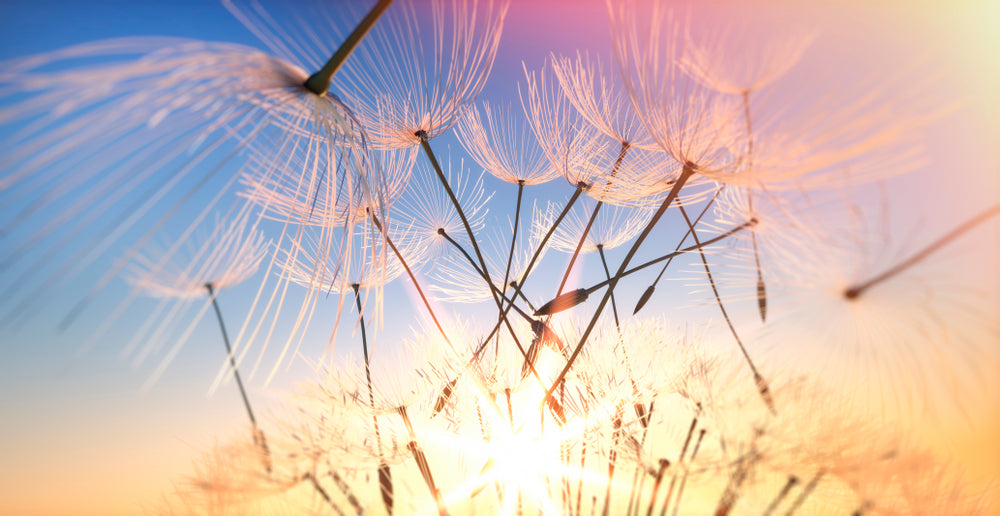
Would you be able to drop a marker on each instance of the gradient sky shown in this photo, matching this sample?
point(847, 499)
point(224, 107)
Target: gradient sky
point(79, 437)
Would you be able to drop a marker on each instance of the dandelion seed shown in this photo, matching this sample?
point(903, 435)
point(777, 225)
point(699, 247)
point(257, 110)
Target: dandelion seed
point(499, 141)
point(456, 282)
point(147, 132)
point(229, 254)
point(425, 208)
point(613, 227)
point(883, 347)
point(407, 78)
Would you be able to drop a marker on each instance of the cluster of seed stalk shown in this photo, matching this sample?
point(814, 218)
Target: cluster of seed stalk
point(655, 489)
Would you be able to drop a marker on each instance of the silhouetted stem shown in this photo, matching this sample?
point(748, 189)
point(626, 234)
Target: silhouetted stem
point(534, 258)
point(590, 222)
point(607, 274)
point(680, 460)
point(513, 236)
point(687, 471)
point(480, 273)
point(686, 174)
point(413, 278)
point(856, 290)
point(613, 455)
point(385, 486)
point(732, 493)
point(528, 355)
point(579, 246)
point(345, 488)
point(425, 143)
point(674, 254)
point(761, 288)
point(522, 296)
point(746, 116)
point(664, 464)
point(806, 491)
point(427, 304)
point(580, 295)
point(319, 82)
point(322, 492)
point(513, 242)
point(258, 435)
point(422, 464)
point(368, 370)
point(649, 290)
point(761, 384)
point(792, 480)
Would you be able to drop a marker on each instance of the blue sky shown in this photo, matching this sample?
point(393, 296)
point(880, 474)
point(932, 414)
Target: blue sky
point(68, 412)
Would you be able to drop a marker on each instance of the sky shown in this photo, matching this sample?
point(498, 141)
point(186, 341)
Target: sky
point(80, 434)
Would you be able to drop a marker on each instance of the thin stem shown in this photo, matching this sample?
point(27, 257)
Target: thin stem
point(637, 268)
point(613, 455)
point(513, 236)
point(680, 460)
point(580, 295)
point(368, 370)
point(746, 116)
point(607, 274)
point(762, 386)
point(422, 464)
point(792, 480)
point(322, 492)
point(855, 291)
point(732, 493)
point(258, 435)
point(538, 252)
point(523, 297)
point(806, 491)
point(532, 351)
point(652, 287)
point(761, 288)
point(590, 222)
point(345, 488)
point(420, 291)
point(510, 256)
point(425, 143)
point(319, 82)
point(686, 174)
point(687, 471)
point(579, 246)
point(409, 272)
point(664, 464)
point(489, 283)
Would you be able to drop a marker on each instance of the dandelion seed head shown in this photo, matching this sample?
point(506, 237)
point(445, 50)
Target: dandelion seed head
point(742, 58)
point(887, 348)
point(406, 78)
point(614, 226)
point(455, 281)
point(500, 143)
point(284, 198)
point(366, 265)
point(159, 129)
point(599, 100)
point(425, 208)
point(225, 256)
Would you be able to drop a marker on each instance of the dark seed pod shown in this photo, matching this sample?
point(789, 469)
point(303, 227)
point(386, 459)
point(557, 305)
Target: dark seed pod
point(762, 299)
point(563, 302)
point(643, 299)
